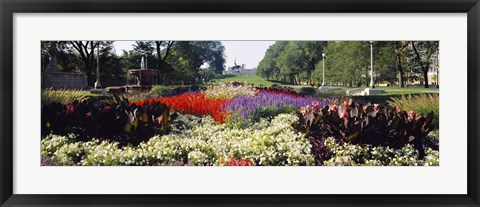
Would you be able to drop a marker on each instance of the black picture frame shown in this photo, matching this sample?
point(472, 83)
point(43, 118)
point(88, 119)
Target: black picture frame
point(9, 7)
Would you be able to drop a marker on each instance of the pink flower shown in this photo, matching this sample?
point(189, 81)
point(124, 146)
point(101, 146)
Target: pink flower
point(411, 115)
point(303, 110)
point(88, 115)
point(70, 108)
point(106, 108)
point(159, 119)
point(333, 108)
point(316, 105)
point(344, 115)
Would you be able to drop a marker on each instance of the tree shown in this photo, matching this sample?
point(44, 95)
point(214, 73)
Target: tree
point(346, 61)
point(312, 54)
point(385, 61)
point(188, 57)
point(423, 52)
point(291, 61)
point(165, 46)
point(144, 48)
point(47, 50)
point(86, 51)
point(400, 48)
point(110, 62)
point(268, 65)
point(66, 59)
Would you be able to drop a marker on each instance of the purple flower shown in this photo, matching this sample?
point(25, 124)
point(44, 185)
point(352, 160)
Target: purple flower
point(245, 106)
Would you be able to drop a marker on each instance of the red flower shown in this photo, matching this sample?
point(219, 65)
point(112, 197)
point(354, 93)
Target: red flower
point(344, 115)
point(195, 104)
point(376, 107)
point(346, 105)
point(285, 93)
point(238, 162)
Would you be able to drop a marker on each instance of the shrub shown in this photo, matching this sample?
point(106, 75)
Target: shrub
point(119, 121)
point(159, 91)
point(275, 87)
point(357, 124)
point(422, 103)
point(274, 143)
point(308, 91)
point(62, 96)
point(338, 94)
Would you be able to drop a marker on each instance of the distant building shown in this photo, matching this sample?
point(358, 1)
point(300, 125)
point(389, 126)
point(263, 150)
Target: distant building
point(432, 73)
point(240, 69)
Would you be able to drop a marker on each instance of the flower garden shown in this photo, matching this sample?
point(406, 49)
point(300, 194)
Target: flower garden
point(237, 124)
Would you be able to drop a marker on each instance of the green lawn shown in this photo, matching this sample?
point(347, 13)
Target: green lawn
point(389, 91)
point(253, 79)
point(399, 91)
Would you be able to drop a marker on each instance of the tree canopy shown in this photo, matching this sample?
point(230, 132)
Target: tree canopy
point(347, 62)
point(177, 61)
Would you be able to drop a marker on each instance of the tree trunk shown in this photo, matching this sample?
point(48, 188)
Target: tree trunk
point(88, 71)
point(367, 82)
point(400, 70)
point(401, 79)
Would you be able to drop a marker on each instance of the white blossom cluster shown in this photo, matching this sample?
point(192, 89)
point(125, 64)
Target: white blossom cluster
point(354, 155)
point(272, 143)
point(229, 91)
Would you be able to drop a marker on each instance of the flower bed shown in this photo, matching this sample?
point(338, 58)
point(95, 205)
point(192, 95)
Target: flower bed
point(266, 143)
point(248, 106)
point(236, 125)
point(194, 104)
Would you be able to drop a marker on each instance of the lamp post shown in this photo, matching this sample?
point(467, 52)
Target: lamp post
point(97, 83)
point(372, 84)
point(323, 73)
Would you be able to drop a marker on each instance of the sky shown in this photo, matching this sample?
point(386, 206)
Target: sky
point(245, 52)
